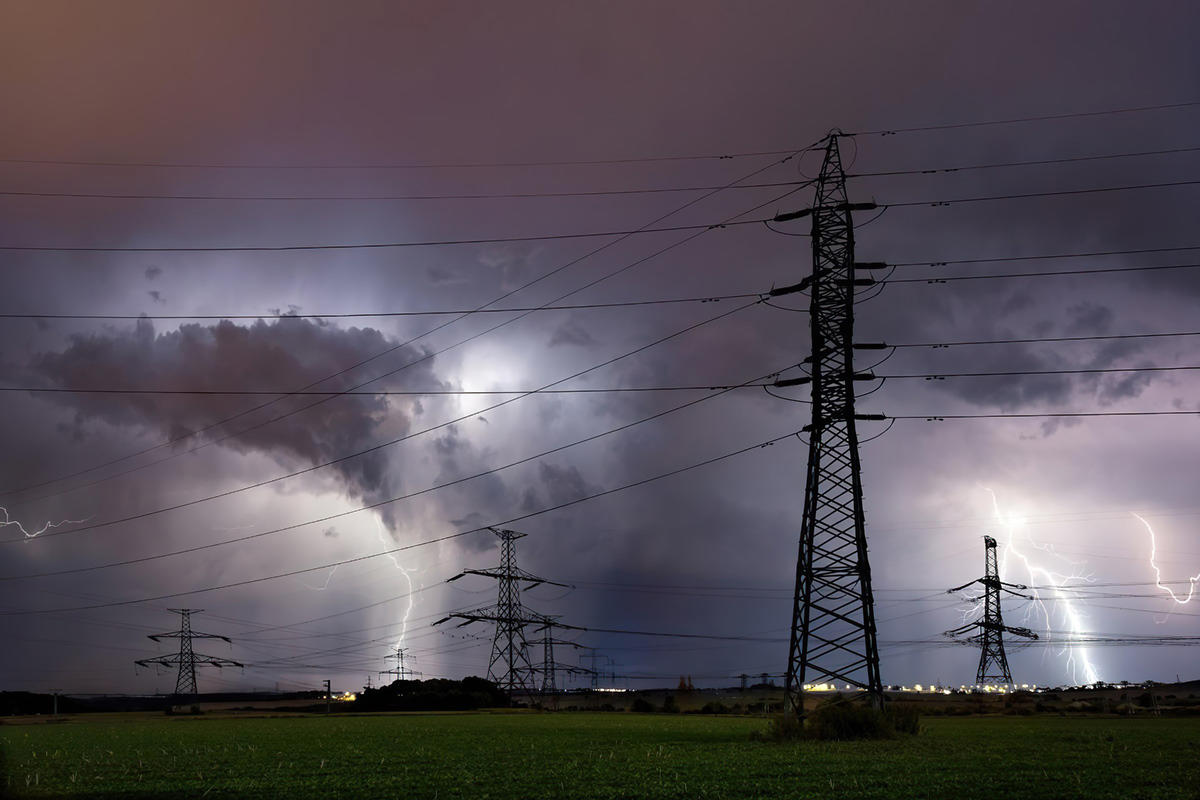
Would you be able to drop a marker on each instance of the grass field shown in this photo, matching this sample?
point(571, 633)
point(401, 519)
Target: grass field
point(585, 755)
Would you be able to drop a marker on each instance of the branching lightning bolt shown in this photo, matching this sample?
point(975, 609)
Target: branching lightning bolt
point(1158, 573)
point(408, 579)
point(4, 523)
point(1059, 583)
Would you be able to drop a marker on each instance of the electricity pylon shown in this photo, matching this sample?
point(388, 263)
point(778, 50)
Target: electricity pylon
point(509, 666)
point(833, 616)
point(993, 663)
point(187, 659)
point(400, 672)
point(549, 667)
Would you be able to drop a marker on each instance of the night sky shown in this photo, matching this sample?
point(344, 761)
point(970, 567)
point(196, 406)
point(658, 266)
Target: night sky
point(304, 100)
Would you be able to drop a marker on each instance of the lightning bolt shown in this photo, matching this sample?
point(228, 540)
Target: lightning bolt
point(1158, 573)
point(4, 523)
point(1059, 583)
point(324, 585)
point(407, 578)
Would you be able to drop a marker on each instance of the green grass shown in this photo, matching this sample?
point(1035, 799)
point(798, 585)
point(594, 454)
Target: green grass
point(617, 755)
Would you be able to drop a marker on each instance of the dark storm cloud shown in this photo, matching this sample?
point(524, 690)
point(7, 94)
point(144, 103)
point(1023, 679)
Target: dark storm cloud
point(277, 356)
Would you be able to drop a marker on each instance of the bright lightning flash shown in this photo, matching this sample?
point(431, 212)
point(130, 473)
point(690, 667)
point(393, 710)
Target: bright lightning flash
point(4, 523)
point(408, 579)
point(1183, 601)
point(1059, 584)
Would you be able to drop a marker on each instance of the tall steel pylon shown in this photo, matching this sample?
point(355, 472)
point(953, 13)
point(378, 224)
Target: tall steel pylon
point(833, 616)
point(549, 668)
point(187, 659)
point(509, 666)
point(400, 672)
point(993, 663)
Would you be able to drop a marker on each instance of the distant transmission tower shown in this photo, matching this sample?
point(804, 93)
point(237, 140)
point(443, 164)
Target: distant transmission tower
point(833, 616)
point(399, 672)
point(993, 663)
point(509, 666)
point(187, 659)
point(549, 667)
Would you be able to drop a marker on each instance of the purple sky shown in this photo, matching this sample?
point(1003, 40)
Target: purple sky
point(316, 84)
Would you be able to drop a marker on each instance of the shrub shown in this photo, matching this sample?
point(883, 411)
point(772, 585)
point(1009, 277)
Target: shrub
point(669, 705)
point(713, 707)
point(642, 705)
point(839, 719)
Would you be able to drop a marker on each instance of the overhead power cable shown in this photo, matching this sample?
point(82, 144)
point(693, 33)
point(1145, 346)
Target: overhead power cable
point(1039, 415)
point(416, 313)
point(1031, 163)
point(416, 165)
point(287, 248)
point(1027, 195)
point(1017, 120)
point(1043, 256)
point(1048, 274)
point(393, 348)
point(381, 197)
point(1009, 373)
point(373, 393)
point(251, 581)
point(1045, 339)
point(561, 236)
point(710, 387)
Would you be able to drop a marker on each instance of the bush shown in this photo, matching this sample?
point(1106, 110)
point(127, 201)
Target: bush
point(713, 707)
point(840, 719)
point(669, 705)
point(642, 705)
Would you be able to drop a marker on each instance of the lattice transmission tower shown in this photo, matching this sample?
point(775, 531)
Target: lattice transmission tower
point(187, 659)
point(399, 672)
point(833, 618)
point(509, 667)
point(549, 668)
point(993, 662)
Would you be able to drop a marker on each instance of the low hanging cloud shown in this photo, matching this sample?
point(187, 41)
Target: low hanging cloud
point(280, 356)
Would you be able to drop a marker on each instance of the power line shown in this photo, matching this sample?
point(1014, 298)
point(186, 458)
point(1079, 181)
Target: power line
point(378, 245)
point(1032, 163)
point(1051, 274)
point(558, 236)
point(1008, 373)
point(379, 393)
point(447, 537)
point(1016, 120)
point(428, 313)
point(1045, 339)
point(941, 417)
point(1043, 256)
point(1026, 195)
point(404, 166)
point(413, 197)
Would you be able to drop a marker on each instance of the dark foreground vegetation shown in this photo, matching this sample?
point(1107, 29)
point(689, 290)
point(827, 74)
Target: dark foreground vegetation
point(526, 754)
point(432, 695)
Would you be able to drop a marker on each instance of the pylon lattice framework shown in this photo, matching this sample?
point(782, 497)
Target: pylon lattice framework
point(509, 666)
point(993, 662)
point(833, 619)
point(549, 668)
point(399, 672)
point(187, 658)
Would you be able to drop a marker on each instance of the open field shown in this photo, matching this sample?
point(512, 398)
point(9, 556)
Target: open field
point(578, 755)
